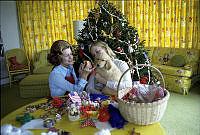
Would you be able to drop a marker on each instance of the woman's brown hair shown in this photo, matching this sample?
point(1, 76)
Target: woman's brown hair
point(56, 51)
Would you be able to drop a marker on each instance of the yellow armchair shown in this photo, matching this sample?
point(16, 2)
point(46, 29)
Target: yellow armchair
point(37, 84)
point(177, 79)
point(17, 63)
point(42, 66)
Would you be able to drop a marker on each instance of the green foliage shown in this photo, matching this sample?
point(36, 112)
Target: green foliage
point(106, 23)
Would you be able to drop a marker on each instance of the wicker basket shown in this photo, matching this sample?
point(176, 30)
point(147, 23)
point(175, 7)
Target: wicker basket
point(142, 113)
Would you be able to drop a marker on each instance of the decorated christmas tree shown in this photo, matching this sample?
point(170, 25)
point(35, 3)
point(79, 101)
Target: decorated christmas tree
point(106, 23)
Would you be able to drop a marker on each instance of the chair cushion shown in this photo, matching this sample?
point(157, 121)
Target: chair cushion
point(43, 70)
point(14, 67)
point(174, 71)
point(13, 60)
point(38, 79)
point(177, 83)
point(177, 61)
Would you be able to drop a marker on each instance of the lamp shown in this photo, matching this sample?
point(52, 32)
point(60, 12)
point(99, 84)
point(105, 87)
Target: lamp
point(77, 26)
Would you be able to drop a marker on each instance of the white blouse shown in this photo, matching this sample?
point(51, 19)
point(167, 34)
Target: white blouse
point(125, 83)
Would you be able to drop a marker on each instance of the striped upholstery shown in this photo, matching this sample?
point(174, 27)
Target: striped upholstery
point(35, 86)
point(42, 66)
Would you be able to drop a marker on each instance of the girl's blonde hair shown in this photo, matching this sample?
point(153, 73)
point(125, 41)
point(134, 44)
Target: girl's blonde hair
point(104, 45)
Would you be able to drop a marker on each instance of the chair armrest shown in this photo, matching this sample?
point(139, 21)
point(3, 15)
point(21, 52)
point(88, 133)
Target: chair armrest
point(37, 64)
point(190, 65)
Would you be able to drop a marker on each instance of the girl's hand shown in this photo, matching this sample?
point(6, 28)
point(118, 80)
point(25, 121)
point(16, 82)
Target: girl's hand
point(84, 69)
point(87, 66)
point(100, 79)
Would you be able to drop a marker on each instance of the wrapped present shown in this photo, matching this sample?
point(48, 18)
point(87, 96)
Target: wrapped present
point(144, 93)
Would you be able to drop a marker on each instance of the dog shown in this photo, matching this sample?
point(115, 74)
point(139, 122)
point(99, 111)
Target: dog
point(107, 69)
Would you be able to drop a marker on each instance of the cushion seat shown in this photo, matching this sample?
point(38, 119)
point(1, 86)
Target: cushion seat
point(175, 71)
point(36, 85)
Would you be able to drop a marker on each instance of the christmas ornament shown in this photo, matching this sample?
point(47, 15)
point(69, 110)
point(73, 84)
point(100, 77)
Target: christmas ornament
point(96, 16)
point(104, 24)
point(130, 49)
point(130, 62)
point(74, 113)
point(111, 19)
point(58, 117)
point(24, 119)
point(117, 33)
point(48, 123)
point(119, 49)
point(75, 98)
point(113, 28)
point(144, 80)
point(87, 123)
point(57, 102)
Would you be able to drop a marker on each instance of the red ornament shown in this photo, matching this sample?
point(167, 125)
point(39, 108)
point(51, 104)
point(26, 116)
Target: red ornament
point(143, 80)
point(117, 33)
point(119, 49)
point(94, 71)
point(88, 123)
point(57, 102)
point(87, 108)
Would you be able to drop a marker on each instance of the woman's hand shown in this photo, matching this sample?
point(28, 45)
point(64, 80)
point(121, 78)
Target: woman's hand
point(84, 69)
point(100, 79)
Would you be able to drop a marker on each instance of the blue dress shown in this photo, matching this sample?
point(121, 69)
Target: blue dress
point(58, 85)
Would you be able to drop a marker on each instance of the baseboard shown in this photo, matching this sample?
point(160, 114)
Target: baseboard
point(4, 81)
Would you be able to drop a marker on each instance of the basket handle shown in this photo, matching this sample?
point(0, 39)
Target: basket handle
point(135, 66)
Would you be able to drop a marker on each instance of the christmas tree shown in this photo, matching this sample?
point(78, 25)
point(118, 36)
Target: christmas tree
point(106, 23)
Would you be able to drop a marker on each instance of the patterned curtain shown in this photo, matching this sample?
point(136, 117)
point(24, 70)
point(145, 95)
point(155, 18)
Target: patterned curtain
point(166, 23)
point(43, 22)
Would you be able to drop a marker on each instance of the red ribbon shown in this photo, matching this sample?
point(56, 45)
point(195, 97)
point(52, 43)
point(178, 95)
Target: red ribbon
point(81, 53)
point(70, 79)
point(104, 114)
point(93, 71)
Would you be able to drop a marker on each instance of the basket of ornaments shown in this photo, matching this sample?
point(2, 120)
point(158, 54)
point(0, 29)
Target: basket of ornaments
point(146, 102)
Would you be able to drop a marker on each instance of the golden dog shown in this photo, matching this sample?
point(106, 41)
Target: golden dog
point(107, 69)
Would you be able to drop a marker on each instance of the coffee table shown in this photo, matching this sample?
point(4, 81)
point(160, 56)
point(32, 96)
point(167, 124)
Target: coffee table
point(74, 127)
